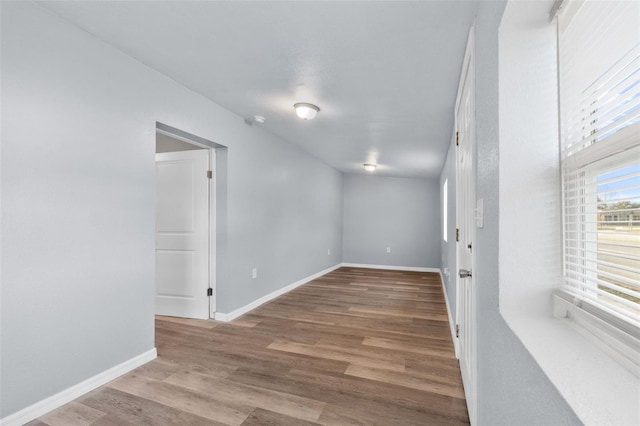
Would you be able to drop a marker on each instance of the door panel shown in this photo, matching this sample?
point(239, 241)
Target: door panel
point(466, 203)
point(176, 187)
point(175, 266)
point(182, 234)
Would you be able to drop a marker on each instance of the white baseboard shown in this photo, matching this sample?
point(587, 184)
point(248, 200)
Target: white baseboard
point(49, 404)
point(264, 299)
point(219, 316)
point(452, 323)
point(391, 268)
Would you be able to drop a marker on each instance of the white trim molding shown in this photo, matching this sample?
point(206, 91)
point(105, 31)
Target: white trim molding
point(452, 323)
point(391, 267)
point(58, 400)
point(264, 299)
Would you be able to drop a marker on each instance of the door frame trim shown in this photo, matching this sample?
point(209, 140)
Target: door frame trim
point(471, 395)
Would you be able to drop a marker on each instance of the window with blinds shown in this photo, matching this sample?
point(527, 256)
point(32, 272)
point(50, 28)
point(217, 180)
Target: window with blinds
point(599, 76)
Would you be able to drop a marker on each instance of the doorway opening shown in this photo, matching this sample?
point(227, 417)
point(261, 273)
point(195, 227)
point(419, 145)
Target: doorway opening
point(185, 225)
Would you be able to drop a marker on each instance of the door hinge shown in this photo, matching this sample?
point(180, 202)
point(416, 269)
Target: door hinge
point(457, 234)
point(469, 247)
point(209, 292)
point(457, 331)
point(209, 174)
point(457, 138)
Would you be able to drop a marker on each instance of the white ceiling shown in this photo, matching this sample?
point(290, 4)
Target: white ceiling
point(384, 73)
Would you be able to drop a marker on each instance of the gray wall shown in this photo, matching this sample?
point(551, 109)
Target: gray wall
point(78, 207)
point(448, 266)
point(512, 389)
point(381, 212)
point(285, 211)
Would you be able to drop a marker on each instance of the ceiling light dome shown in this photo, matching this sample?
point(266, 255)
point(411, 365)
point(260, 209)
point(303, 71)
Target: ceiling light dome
point(370, 167)
point(306, 111)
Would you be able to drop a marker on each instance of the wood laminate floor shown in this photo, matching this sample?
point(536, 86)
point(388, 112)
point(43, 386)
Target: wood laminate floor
point(354, 347)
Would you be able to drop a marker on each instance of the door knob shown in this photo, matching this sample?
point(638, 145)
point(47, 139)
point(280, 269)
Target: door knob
point(464, 273)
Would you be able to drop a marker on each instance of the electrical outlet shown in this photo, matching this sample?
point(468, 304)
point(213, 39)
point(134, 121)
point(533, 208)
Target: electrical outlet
point(254, 273)
point(328, 252)
point(388, 249)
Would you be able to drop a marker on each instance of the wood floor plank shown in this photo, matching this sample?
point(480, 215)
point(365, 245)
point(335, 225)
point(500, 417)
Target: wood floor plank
point(208, 324)
point(408, 347)
point(188, 419)
point(262, 417)
point(354, 347)
point(233, 393)
point(130, 408)
point(354, 391)
point(338, 355)
point(112, 420)
point(73, 414)
point(406, 380)
point(200, 404)
point(377, 415)
point(401, 313)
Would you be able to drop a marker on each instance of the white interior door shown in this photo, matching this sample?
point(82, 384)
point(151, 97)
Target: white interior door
point(182, 234)
point(465, 208)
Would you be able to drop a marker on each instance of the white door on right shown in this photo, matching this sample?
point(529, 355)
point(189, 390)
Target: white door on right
point(465, 235)
point(182, 234)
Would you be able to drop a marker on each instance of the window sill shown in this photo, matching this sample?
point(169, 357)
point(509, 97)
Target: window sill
point(596, 387)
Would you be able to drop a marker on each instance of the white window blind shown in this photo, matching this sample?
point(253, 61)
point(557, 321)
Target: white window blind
point(599, 63)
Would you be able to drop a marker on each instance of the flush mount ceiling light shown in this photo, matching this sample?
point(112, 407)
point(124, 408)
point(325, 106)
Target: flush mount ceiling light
point(306, 111)
point(259, 119)
point(370, 167)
